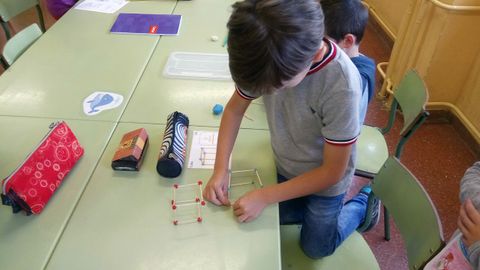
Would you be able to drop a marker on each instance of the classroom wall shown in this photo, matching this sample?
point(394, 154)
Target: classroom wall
point(469, 99)
point(389, 12)
point(444, 47)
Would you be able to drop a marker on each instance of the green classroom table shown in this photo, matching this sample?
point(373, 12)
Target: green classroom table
point(156, 96)
point(26, 242)
point(102, 219)
point(124, 219)
point(74, 58)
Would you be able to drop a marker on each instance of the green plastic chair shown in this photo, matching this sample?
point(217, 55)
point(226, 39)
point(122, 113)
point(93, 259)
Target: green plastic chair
point(412, 209)
point(17, 45)
point(353, 253)
point(410, 97)
point(11, 8)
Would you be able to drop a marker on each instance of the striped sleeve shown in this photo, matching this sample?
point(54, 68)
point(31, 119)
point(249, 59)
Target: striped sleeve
point(341, 142)
point(244, 94)
point(340, 116)
point(470, 185)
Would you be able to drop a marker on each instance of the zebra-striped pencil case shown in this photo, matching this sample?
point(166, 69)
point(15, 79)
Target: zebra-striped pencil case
point(174, 146)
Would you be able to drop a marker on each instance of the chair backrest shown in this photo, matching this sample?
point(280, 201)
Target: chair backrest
point(20, 43)
point(412, 210)
point(411, 94)
point(11, 8)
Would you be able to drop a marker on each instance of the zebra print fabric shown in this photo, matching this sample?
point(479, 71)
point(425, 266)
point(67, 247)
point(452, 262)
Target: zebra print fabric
point(174, 146)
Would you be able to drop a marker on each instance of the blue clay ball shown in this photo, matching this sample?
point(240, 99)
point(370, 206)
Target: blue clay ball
point(217, 109)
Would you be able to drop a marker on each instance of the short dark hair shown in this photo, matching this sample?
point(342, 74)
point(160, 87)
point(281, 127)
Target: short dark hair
point(272, 41)
point(344, 17)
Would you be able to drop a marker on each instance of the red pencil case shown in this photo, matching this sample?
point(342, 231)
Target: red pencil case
point(31, 185)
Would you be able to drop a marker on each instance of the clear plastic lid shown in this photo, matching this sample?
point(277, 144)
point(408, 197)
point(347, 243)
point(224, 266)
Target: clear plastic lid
point(190, 65)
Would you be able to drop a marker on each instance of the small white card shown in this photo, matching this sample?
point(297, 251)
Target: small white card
point(101, 101)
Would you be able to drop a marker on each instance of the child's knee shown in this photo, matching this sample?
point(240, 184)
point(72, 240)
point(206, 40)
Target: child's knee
point(316, 251)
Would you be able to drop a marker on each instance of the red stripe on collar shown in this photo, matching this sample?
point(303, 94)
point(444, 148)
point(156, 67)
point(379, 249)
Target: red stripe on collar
point(329, 56)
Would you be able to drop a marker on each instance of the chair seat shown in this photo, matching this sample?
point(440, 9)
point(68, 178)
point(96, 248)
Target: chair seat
point(372, 150)
point(353, 253)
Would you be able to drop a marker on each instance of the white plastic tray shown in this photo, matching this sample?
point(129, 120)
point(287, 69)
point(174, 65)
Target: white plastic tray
point(188, 65)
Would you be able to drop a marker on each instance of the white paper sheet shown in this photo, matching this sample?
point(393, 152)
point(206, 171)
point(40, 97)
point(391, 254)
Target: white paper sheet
point(203, 149)
point(104, 6)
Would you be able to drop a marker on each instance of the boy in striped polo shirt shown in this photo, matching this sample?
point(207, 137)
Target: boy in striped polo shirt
point(311, 93)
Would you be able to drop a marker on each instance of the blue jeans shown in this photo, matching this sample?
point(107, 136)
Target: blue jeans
point(326, 221)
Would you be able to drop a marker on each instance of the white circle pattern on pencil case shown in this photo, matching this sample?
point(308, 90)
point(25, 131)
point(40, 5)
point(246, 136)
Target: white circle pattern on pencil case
point(167, 137)
point(179, 143)
point(46, 167)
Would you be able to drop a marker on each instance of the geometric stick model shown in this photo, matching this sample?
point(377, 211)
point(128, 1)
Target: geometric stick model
point(187, 199)
point(243, 181)
point(249, 177)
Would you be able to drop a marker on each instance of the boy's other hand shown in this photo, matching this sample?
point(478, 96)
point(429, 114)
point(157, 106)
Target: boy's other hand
point(249, 206)
point(469, 223)
point(216, 190)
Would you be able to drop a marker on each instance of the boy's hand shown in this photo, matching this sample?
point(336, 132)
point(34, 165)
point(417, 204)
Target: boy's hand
point(469, 223)
point(249, 206)
point(216, 190)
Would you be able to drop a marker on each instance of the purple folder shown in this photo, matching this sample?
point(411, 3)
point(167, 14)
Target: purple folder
point(153, 24)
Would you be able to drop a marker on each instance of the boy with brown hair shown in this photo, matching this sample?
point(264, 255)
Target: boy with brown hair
point(311, 93)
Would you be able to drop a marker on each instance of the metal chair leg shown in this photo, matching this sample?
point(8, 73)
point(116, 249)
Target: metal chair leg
point(4, 63)
point(386, 221)
point(40, 18)
point(5, 27)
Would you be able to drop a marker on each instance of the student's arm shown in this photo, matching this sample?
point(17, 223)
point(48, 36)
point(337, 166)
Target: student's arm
point(216, 189)
point(469, 224)
point(335, 162)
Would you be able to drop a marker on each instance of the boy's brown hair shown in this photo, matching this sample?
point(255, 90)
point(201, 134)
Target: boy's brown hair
point(272, 41)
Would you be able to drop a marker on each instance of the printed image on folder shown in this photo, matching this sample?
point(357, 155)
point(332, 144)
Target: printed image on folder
point(150, 24)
